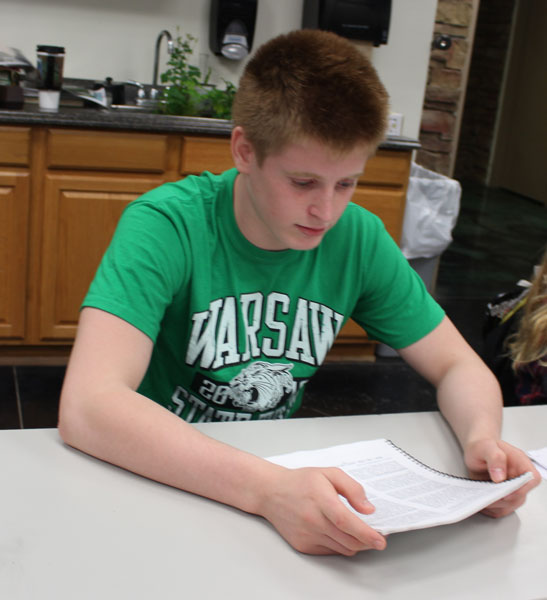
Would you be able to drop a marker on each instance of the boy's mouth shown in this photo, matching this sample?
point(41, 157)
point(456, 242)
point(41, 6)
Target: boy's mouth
point(312, 231)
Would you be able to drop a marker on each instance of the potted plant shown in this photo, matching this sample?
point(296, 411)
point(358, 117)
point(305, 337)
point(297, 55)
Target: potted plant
point(187, 92)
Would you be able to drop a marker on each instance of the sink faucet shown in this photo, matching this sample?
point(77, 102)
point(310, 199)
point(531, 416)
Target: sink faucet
point(154, 91)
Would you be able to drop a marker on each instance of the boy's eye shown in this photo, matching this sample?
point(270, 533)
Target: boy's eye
point(347, 183)
point(302, 182)
point(305, 183)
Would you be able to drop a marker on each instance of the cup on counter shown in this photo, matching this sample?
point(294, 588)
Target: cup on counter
point(50, 76)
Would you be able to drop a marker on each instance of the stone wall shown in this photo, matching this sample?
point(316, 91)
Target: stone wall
point(446, 86)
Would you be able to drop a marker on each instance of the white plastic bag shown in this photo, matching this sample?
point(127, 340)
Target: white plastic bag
point(432, 207)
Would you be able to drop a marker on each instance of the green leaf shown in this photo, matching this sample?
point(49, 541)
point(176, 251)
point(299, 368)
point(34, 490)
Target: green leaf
point(187, 92)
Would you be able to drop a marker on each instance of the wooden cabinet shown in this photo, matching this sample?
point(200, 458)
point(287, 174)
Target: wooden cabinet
point(382, 191)
point(107, 151)
point(389, 203)
point(14, 231)
point(62, 191)
point(80, 216)
point(15, 146)
point(14, 208)
point(200, 154)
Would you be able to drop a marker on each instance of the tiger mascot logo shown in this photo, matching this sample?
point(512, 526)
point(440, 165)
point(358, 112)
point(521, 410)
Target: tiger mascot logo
point(261, 386)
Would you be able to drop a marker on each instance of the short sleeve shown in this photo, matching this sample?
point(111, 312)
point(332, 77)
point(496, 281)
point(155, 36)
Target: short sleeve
point(395, 306)
point(142, 269)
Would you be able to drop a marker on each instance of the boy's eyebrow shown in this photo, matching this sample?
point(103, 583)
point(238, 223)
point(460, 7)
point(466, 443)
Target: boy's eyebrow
point(316, 176)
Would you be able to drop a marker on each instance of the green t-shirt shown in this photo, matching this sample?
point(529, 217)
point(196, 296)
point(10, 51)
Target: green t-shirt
point(237, 330)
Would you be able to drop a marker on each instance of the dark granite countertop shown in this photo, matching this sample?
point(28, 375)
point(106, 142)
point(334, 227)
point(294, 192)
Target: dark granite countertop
point(121, 119)
point(135, 120)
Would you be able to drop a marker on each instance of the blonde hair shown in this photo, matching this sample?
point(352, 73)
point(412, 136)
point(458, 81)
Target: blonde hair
point(529, 343)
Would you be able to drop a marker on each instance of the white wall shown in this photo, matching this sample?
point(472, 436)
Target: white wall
point(404, 61)
point(116, 38)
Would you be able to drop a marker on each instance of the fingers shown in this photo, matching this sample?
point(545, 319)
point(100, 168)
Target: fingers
point(351, 489)
point(499, 460)
point(349, 531)
point(517, 463)
point(505, 506)
point(344, 527)
point(496, 464)
point(305, 507)
point(334, 540)
point(485, 459)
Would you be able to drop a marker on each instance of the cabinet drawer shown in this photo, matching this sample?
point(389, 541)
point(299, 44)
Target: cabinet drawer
point(15, 146)
point(387, 167)
point(205, 154)
point(106, 151)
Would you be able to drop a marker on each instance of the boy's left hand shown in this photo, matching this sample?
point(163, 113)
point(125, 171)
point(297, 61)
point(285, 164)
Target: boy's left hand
point(498, 460)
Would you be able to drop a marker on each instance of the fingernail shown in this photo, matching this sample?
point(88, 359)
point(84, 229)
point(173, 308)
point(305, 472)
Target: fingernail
point(498, 474)
point(379, 544)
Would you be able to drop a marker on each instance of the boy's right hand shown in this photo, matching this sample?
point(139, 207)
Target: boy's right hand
point(303, 505)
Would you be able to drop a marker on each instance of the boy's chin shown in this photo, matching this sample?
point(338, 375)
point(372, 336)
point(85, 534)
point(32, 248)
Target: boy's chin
point(304, 245)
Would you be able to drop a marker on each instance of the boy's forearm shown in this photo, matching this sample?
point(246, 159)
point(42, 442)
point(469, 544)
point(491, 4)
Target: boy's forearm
point(468, 394)
point(131, 431)
point(302, 504)
point(470, 399)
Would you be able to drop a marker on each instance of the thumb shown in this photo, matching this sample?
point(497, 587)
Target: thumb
point(496, 463)
point(486, 457)
point(351, 489)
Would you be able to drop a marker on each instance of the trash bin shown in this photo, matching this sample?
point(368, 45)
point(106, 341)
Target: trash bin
point(432, 208)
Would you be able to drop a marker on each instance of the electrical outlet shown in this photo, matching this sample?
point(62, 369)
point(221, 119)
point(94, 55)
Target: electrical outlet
point(395, 124)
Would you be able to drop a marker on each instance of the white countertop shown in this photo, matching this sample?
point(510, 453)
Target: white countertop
point(73, 527)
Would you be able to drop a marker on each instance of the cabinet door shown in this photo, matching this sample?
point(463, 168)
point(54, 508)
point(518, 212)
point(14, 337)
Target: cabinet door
point(80, 216)
point(388, 204)
point(14, 206)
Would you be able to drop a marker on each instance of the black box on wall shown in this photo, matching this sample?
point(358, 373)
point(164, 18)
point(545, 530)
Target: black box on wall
point(231, 27)
point(356, 19)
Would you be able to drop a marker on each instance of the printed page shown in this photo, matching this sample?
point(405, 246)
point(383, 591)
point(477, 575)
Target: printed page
point(406, 493)
point(539, 457)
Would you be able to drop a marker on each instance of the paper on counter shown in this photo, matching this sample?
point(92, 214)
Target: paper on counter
point(406, 493)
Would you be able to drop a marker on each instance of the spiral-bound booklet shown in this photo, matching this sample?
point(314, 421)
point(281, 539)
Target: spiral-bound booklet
point(406, 493)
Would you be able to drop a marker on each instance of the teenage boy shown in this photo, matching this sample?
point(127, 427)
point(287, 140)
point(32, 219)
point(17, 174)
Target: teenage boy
point(220, 296)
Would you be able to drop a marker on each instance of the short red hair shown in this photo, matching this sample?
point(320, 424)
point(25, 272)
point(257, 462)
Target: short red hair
point(310, 84)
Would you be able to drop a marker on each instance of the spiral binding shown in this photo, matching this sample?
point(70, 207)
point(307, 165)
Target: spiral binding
point(442, 473)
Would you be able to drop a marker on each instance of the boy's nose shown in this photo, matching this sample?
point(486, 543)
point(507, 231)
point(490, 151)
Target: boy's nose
point(322, 206)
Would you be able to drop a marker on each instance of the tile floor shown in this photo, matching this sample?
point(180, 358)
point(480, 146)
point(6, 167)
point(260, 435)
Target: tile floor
point(498, 238)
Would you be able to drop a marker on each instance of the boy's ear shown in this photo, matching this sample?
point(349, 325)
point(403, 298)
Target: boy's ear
point(243, 153)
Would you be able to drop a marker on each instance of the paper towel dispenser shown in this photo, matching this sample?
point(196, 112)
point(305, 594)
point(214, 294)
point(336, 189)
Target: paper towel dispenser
point(356, 19)
point(231, 27)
